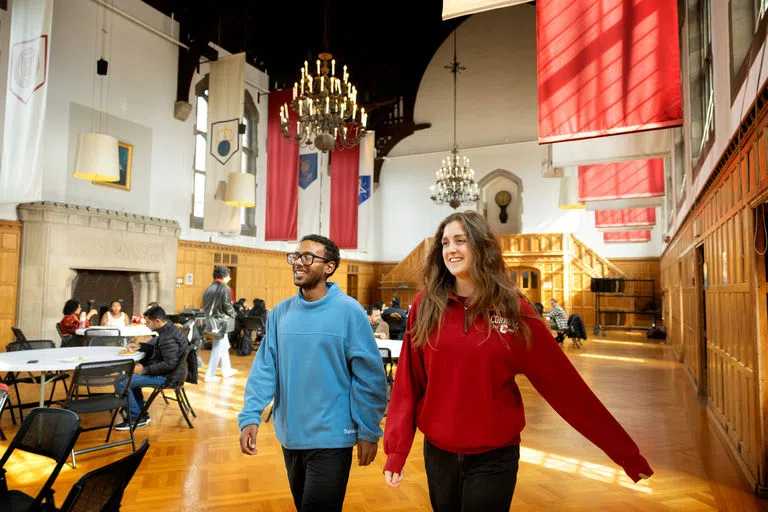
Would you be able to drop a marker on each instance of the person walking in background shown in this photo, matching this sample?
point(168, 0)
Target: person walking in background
point(472, 321)
point(320, 362)
point(219, 323)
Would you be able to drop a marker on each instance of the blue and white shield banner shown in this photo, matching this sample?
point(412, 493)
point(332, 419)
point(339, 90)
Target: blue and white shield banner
point(226, 95)
point(365, 197)
point(310, 192)
point(364, 191)
point(21, 174)
point(225, 140)
point(307, 170)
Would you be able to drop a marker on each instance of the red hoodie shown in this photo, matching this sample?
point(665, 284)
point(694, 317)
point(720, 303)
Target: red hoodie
point(461, 392)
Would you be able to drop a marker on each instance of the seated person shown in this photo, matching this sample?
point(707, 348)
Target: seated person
point(162, 359)
point(71, 321)
point(139, 319)
point(558, 320)
point(396, 329)
point(115, 316)
point(379, 326)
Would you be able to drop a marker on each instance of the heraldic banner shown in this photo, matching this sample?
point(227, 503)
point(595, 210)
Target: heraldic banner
point(365, 211)
point(345, 194)
point(226, 95)
point(21, 171)
point(311, 167)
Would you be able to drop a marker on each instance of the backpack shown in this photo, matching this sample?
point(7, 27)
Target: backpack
point(243, 346)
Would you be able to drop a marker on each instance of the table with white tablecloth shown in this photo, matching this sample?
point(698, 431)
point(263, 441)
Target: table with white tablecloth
point(394, 346)
point(59, 359)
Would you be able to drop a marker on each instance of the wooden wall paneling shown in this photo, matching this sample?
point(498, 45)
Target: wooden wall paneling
point(10, 243)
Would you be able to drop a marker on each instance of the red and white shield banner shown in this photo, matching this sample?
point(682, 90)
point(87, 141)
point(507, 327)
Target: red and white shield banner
point(29, 67)
point(26, 92)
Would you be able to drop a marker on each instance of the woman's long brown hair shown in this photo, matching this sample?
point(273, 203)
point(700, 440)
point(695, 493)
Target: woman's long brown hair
point(493, 287)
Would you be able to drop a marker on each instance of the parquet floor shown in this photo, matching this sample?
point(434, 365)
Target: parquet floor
point(202, 469)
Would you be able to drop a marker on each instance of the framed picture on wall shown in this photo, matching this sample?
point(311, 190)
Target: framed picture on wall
point(125, 157)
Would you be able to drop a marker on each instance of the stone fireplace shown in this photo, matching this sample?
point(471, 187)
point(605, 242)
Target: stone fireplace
point(67, 248)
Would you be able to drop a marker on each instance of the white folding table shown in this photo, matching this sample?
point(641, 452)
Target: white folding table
point(58, 359)
point(394, 346)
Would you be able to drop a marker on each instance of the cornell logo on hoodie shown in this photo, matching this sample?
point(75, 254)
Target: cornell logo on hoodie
point(502, 325)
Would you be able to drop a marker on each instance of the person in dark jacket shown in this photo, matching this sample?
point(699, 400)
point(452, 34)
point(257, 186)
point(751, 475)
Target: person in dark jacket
point(161, 361)
point(396, 317)
point(217, 304)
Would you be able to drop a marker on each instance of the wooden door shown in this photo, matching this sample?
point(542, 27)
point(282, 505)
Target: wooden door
point(528, 279)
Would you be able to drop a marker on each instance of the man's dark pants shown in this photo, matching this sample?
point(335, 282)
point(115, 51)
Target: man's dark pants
point(318, 478)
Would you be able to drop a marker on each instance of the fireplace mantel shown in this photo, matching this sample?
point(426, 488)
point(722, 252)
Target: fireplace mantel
point(58, 239)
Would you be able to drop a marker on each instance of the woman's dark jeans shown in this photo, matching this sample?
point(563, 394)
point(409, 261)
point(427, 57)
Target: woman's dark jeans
point(482, 482)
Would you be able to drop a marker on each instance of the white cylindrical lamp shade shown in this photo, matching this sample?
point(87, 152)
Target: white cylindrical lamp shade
point(96, 158)
point(569, 193)
point(241, 190)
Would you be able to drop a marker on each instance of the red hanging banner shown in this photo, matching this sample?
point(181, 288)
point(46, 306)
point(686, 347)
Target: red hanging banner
point(622, 180)
point(345, 187)
point(631, 217)
point(607, 67)
point(282, 174)
point(643, 235)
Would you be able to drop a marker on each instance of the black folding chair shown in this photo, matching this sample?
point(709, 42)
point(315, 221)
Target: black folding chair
point(389, 363)
point(3, 402)
point(101, 374)
point(102, 489)
point(48, 432)
point(15, 378)
point(178, 388)
point(98, 333)
point(107, 341)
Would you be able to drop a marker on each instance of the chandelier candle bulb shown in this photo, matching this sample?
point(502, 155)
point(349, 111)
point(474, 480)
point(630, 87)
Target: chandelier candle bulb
point(318, 66)
point(333, 67)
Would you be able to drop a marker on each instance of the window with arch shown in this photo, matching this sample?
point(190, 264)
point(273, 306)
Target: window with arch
point(248, 143)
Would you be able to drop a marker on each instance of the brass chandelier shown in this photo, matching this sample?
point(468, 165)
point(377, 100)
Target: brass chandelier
point(326, 106)
point(454, 180)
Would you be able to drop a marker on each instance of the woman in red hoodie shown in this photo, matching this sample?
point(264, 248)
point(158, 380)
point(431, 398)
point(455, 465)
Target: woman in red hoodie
point(470, 333)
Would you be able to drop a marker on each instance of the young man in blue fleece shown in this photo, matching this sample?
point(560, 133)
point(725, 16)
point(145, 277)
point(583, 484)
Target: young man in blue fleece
point(320, 362)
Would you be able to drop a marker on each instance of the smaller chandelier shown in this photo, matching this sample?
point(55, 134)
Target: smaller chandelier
point(454, 182)
point(327, 110)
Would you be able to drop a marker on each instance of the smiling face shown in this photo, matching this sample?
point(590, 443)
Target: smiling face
point(308, 276)
point(457, 255)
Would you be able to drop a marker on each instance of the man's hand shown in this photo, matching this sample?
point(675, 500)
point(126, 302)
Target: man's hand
point(366, 452)
point(381, 335)
point(138, 369)
point(248, 439)
point(132, 346)
point(393, 479)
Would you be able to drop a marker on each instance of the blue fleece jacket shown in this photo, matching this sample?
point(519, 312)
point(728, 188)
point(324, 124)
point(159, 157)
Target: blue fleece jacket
point(320, 362)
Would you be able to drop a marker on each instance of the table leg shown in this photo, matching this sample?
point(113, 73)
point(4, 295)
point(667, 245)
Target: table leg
point(42, 389)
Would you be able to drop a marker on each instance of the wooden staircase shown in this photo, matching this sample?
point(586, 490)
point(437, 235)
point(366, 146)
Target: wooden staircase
point(565, 266)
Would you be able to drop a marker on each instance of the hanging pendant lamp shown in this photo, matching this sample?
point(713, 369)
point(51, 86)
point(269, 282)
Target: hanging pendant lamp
point(241, 190)
point(569, 191)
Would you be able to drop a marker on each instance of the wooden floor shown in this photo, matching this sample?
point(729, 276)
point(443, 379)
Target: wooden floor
point(202, 469)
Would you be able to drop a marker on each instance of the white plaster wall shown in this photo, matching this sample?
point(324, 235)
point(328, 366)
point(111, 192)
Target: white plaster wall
point(497, 125)
point(140, 88)
point(410, 216)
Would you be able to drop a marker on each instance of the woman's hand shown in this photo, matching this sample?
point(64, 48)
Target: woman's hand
point(394, 479)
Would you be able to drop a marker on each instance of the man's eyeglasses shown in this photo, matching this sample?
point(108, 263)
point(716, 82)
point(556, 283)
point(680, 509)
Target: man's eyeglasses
point(306, 258)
